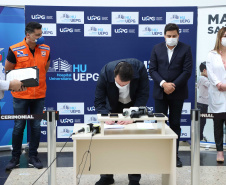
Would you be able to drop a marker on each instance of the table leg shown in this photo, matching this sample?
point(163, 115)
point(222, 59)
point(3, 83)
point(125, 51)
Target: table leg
point(170, 179)
point(75, 162)
point(102, 128)
point(163, 127)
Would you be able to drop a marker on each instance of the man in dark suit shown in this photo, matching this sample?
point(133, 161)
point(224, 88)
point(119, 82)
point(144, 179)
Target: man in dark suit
point(170, 68)
point(121, 84)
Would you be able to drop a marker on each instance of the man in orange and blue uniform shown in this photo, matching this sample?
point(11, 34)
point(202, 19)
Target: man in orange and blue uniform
point(28, 53)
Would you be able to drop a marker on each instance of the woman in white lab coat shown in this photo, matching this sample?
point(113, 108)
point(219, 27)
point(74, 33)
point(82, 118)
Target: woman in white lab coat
point(216, 69)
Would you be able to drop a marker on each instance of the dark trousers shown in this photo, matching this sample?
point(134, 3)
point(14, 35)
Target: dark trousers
point(175, 109)
point(203, 109)
point(218, 129)
point(131, 177)
point(21, 106)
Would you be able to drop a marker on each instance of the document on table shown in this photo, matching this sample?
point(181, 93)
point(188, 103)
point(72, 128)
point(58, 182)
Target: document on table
point(145, 126)
point(113, 126)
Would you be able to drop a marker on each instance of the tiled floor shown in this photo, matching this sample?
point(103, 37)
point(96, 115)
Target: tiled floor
point(211, 172)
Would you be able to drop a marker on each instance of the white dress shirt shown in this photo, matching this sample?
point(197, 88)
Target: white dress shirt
point(170, 54)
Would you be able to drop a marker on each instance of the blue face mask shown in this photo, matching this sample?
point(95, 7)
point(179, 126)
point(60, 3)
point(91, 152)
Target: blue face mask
point(40, 40)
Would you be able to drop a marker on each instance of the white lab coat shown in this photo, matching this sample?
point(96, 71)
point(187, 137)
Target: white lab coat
point(216, 73)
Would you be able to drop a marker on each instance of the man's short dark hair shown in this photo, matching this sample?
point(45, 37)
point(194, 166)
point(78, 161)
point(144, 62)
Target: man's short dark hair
point(31, 26)
point(202, 66)
point(171, 27)
point(124, 70)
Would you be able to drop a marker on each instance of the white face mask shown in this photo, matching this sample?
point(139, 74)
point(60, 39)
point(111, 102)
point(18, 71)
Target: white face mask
point(223, 41)
point(121, 87)
point(171, 41)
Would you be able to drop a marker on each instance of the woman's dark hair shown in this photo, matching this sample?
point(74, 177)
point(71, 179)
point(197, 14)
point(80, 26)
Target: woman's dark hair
point(124, 70)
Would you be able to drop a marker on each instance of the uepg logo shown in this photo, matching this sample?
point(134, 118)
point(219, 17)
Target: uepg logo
point(38, 16)
point(43, 132)
point(186, 108)
point(93, 18)
point(66, 120)
point(125, 17)
point(179, 17)
point(120, 30)
point(147, 18)
point(67, 30)
point(185, 132)
point(91, 108)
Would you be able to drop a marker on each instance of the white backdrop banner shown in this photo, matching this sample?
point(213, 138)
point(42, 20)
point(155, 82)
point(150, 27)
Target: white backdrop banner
point(210, 21)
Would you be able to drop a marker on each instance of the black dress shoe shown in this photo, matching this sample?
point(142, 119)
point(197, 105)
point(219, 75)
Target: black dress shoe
point(105, 181)
point(134, 183)
point(179, 163)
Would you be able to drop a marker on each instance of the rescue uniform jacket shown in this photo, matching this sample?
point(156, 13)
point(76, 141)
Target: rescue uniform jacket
point(24, 59)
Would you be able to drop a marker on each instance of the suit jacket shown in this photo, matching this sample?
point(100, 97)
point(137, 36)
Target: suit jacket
point(178, 71)
point(107, 93)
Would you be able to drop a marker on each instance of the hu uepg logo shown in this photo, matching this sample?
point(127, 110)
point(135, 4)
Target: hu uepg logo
point(97, 30)
point(179, 17)
point(64, 131)
point(70, 17)
point(60, 65)
point(79, 73)
point(125, 17)
point(48, 29)
point(151, 30)
point(64, 71)
point(70, 108)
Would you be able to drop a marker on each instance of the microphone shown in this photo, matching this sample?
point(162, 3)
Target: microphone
point(96, 130)
point(85, 129)
point(81, 130)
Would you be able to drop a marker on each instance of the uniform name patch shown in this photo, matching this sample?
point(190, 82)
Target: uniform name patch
point(43, 53)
